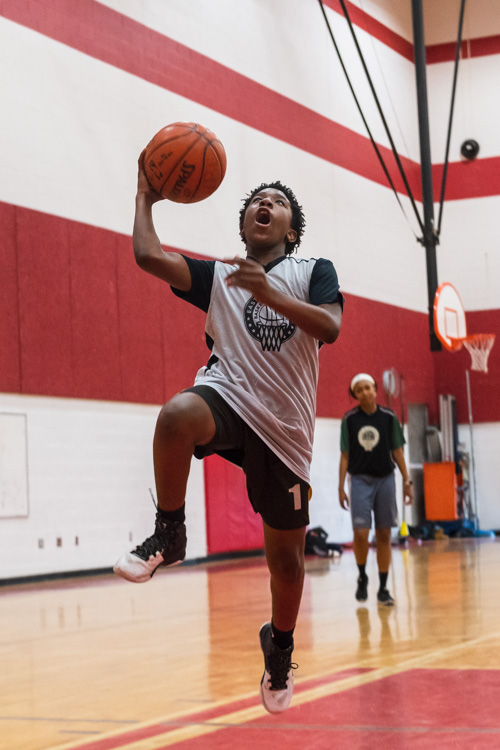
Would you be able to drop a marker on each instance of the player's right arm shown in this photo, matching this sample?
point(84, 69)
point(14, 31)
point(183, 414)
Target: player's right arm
point(344, 462)
point(149, 254)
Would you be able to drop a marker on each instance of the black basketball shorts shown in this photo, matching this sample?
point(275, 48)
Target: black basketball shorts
point(274, 490)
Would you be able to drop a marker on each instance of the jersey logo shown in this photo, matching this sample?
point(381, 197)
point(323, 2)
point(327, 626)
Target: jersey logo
point(267, 326)
point(368, 437)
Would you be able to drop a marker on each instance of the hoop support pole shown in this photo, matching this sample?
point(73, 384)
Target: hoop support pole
point(472, 459)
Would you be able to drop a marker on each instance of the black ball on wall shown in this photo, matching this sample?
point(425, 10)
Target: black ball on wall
point(469, 149)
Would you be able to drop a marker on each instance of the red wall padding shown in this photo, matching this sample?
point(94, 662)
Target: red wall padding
point(375, 337)
point(10, 366)
point(80, 319)
point(231, 522)
point(45, 310)
point(451, 373)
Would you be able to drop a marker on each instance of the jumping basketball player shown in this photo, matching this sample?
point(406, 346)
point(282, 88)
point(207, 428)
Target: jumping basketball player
point(253, 403)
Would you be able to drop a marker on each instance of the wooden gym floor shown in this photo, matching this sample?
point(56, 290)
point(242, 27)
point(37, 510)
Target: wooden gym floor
point(99, 664)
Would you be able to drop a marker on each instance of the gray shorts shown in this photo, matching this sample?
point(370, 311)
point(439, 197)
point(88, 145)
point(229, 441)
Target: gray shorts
point(375, 495)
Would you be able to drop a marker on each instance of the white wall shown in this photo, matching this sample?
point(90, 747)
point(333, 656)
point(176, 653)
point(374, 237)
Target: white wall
point(324, 508)
point(72, 128)
point(89, 470)
point(484, 440)
point(469, 250)
point(96, 130)
point(89, 473)
point(300, 62)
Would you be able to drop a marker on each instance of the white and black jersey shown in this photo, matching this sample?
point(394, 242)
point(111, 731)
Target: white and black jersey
point(264, 366)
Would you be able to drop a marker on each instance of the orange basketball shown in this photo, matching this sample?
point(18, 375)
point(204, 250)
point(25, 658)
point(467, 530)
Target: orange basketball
point(185, 162)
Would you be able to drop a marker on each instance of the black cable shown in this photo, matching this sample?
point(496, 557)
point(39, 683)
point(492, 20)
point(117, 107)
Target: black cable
point(452, 106)
point(377, 150)
point(384, 121)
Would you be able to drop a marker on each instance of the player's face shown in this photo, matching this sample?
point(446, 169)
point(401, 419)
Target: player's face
point(268, 220)
point(366, 393)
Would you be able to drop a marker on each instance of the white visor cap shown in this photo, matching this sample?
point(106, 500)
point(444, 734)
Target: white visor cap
point(361, 376)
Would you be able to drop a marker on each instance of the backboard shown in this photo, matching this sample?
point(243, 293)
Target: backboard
point(449, 317)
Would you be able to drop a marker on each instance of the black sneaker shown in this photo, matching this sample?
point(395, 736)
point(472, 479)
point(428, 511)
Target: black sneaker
point(276, 686)
point(167, 546)
point(362, 590)
point(384, 598)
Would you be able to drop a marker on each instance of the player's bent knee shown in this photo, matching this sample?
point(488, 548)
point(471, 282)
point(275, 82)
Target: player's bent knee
point(186, 414)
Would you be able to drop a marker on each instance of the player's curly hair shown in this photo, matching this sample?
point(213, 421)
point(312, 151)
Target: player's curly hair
point(298, 219)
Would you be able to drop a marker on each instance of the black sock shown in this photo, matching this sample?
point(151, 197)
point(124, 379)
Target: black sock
point(362, 573)
point(173, 515)
point(383, 580)
point(282, 638)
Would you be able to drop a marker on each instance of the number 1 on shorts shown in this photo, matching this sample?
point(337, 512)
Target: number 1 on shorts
point(297, 501)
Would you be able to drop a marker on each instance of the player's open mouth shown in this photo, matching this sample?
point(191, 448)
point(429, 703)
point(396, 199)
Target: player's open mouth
point(263, 217)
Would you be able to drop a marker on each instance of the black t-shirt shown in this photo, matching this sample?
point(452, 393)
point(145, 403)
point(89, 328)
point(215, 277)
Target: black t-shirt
point(369, 440)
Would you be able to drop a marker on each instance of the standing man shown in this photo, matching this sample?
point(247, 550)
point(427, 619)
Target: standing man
point(371, 442)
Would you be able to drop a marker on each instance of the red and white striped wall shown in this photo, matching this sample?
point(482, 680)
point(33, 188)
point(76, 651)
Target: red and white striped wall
point(90, 346)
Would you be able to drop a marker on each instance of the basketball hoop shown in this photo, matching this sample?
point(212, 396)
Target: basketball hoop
point(451, 328)
point(479, 346)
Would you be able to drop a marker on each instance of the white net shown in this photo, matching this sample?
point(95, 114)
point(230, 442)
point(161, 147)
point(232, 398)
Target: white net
point(479, 347)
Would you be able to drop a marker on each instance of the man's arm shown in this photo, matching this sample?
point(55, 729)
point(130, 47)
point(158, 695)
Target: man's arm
point(320, 321)
point(149, 255)
point(399, 458)
point(344, 460)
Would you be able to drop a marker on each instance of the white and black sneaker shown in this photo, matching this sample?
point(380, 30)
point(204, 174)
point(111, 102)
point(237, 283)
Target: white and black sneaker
point(167, 546)
point(276, 686)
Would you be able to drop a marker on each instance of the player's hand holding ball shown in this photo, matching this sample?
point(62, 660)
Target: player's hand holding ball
point(143, 185)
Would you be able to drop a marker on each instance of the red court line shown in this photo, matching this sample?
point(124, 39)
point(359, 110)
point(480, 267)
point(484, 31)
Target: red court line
point(420, 708)
point(145, 732)
point(293, 738)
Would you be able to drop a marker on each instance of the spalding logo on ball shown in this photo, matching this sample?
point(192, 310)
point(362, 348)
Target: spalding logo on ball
point(185, 162)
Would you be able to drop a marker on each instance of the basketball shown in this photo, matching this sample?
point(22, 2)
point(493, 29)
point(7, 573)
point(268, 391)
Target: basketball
point(185, 162)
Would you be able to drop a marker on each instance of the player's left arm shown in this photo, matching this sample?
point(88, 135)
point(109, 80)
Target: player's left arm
point(322, 321)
